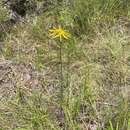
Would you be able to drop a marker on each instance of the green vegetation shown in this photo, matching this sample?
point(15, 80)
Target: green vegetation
point(69, 68)
point(4, 15)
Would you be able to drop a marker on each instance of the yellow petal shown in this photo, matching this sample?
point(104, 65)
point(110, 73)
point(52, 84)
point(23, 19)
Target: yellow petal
point(56, 36)
point(51, 30)
point(66, 37)
point(60, 38)
point(52, 34)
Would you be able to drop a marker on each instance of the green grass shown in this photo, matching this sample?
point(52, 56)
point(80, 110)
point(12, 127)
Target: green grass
point(82, 81)
point(4, 15)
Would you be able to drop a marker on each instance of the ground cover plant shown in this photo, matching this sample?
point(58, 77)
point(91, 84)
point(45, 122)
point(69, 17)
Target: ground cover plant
point(66, 67)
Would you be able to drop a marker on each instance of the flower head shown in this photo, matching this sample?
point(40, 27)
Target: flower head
point(59, 33)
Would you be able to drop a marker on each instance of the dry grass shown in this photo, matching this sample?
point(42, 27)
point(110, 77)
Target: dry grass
point(93, 63)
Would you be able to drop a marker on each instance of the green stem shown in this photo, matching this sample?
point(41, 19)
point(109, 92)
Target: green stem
point(68, 74)
point(61, 73)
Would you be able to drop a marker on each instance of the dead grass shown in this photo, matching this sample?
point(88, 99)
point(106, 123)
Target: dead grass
point(95, 70)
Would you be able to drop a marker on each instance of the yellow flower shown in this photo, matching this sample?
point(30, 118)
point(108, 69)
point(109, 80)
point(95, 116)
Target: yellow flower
point(59, 33)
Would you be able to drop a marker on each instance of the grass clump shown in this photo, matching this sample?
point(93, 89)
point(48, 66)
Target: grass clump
point(82, 72)
point(4, 15)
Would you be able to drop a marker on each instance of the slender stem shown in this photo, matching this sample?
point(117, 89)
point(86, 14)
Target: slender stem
point(61, 73)
point(61, 80)
point(68, 63)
